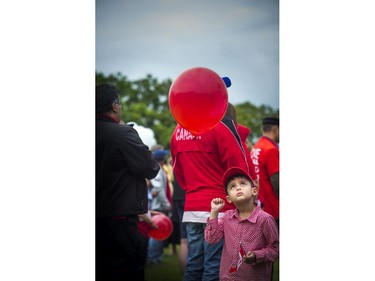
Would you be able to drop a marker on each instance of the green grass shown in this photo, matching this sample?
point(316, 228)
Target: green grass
point(276, 271)
point(169, 269)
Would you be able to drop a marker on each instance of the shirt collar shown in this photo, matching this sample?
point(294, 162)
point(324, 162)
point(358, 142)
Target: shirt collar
point(104, 117)
point(270, 140)
point(252, 218)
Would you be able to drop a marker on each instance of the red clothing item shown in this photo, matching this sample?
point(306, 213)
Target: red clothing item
point(250, 162)
point(144, 228)
point(243, 132)
point(257, 233)
point(199, 163)
point(265, 157)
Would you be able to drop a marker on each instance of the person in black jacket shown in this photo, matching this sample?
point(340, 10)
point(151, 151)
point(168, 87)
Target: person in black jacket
point(123, 162)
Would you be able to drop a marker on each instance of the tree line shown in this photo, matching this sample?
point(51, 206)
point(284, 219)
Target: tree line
point(145, 102)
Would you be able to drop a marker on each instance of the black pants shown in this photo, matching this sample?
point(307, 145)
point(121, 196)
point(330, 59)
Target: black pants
point(142, 260)
point(116, 248)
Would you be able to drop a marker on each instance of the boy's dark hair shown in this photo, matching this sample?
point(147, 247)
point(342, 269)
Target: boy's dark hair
point(106, 95)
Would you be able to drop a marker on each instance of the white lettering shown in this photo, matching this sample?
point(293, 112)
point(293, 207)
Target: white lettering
point(182, 134)
point(255, 155)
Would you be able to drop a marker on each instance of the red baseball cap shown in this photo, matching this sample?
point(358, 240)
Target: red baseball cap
point(234, 171)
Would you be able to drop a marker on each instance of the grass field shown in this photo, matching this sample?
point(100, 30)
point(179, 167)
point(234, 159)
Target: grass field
point(169, 269)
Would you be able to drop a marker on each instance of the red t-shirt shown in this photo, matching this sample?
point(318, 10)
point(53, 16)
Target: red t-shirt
point(199, 163)
point(265, 157)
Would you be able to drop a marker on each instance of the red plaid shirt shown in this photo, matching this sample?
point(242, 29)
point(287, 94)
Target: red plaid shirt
point(257, 233)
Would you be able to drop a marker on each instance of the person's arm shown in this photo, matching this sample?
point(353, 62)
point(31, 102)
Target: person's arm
point(271, 235)
point(213, 232)
point(275, 183)
point(157, 184)
point(217, 204)
point(147, 219)
point(137, 155)
point(273, 167)
point(154, 213)
point(155, 193)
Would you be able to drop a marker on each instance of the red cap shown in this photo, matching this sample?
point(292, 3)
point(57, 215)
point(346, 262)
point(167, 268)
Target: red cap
point(243, 131)
point(233, 171)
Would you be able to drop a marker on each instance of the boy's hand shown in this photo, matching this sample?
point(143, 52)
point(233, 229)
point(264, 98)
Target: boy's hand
point(249, 257)
point(217, 204)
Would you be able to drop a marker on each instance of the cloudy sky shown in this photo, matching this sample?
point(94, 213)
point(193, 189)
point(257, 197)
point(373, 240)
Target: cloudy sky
point(238, 39)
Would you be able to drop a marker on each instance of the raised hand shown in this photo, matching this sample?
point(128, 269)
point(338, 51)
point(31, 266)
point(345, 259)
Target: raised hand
point(217, 204)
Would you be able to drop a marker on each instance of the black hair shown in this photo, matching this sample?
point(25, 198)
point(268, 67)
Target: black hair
point(106, 95)
point(269, 122)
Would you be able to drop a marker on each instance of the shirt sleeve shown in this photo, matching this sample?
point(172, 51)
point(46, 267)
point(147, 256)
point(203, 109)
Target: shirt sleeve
point(270, 233)
point(138, 157)
point(214, 231)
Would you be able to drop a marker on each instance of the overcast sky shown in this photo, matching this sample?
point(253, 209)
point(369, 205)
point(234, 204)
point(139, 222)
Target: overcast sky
point(238, 39)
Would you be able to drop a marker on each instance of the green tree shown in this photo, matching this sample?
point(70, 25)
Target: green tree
point(251, 116)
point(145, 101)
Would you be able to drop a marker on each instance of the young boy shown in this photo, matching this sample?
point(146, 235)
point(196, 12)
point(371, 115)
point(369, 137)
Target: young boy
point(251, 241)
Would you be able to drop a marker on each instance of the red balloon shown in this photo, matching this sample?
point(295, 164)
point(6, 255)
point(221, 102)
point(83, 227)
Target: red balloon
point(198, 99)
point(165, 227)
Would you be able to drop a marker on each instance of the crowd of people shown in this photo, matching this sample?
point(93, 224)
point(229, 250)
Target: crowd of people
point(220, 190)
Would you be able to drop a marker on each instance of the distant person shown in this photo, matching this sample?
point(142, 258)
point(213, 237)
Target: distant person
point(159, 203)
point(266, 159)
point(199, 163)
point(160, 185)
point(244, 132)
point(168, 169)
point(251, 241)
point(174, 239)
point(123, 162)
point(178, 211)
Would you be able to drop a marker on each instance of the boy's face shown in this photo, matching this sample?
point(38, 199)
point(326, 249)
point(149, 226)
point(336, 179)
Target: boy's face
point(240, 189)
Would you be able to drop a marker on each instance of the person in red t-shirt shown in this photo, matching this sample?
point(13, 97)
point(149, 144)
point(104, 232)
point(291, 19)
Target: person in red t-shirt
point(199, 163)
point(265, 157)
